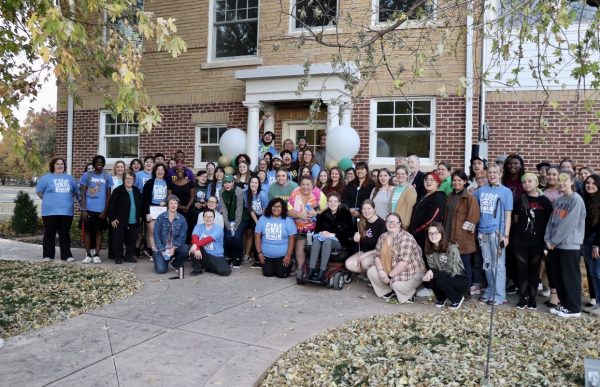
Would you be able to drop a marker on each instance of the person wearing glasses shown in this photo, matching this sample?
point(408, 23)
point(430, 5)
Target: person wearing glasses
point(446, 275)
point(212, 204)
point(207, 247)
point(399, 265)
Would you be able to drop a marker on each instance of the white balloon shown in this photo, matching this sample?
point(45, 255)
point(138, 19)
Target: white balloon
point(233, 142)
point(342, 141)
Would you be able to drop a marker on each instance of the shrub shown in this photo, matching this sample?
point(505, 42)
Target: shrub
point(25, 219)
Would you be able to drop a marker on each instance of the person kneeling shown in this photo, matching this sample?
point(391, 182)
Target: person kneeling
point(170, 232)
point(399, 265)
point(207, 247)
point(446, 273)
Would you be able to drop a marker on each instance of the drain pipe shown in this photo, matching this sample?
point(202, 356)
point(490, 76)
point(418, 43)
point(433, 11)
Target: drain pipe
point(483, 126)
point(70, 114)
point(469, 88)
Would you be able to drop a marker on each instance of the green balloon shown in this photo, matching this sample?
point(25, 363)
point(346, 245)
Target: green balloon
point(233, 164)
point(345, 163)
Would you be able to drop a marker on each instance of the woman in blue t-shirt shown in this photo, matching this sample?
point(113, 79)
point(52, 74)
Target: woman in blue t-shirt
point(154, 194)
point(57, 189)
point(275, 237)
point(207, 246)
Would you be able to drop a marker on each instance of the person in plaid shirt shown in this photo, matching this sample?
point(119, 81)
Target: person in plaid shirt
point(399, 265)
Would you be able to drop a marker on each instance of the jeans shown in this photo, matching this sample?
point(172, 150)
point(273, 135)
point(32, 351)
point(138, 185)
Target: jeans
point(62, 224)
point(234, 244)
point(593, 265)
point(161, 266)
point(494, 267)
point(324, 248)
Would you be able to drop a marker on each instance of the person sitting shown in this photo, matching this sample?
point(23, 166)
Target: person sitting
point(207, 247)
point(370, 228)
point(399, 265)
point(274, 239)
point(170, 231)
point(446, 275)
point(332, 232)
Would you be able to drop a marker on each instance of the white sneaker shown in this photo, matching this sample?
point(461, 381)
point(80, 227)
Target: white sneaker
point(97, 259)
point(70, 259)
point(46, 259)
point(1, 343)
point(556, 310)
point(595, 311)
point(545, 292)
point(424, 292)
point(566, 313)
point(92, 252)
point(87, 259)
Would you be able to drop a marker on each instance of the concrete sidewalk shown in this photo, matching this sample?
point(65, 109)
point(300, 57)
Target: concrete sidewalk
point(205, 330)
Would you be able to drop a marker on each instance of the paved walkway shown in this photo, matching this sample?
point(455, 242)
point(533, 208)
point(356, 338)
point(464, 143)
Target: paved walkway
point(201, 331)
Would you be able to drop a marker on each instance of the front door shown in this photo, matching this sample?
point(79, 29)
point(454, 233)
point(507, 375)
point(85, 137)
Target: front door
point(312, 133)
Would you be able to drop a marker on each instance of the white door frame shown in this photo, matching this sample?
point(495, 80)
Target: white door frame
point(289, 127)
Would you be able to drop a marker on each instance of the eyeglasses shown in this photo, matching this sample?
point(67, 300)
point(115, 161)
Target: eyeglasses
point(433, 233)
point(213, 201)
point(392, 222)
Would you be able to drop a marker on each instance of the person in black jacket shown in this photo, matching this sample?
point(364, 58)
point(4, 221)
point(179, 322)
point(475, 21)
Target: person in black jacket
point(358, 189)
point(431, 208)
point(124, 211)
point(332, 232)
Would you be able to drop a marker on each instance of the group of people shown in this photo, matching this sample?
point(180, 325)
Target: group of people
point(493, 230)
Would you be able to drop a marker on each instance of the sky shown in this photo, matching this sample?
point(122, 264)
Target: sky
point(46, 98)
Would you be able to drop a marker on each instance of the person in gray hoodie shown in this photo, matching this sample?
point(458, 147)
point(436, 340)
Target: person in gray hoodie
point(564, 236)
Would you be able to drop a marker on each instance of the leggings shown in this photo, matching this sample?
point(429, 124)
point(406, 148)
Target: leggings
point(527, 259)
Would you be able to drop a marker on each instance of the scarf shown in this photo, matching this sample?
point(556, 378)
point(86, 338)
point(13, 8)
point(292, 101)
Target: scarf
point(386, 253)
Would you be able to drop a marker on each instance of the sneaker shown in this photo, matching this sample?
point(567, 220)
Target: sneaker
point(566, 313)
point(588, 307)
point(424, 292)
point(545, 292)
point(70, 259)
point(475, 291)
point(511, 289)
point(196, 272)
point(531, 304)
point(389, 295)
point(483, 300)
point(497, 303)
point(440, 304)
point(1, 343)
point(46, 259)
point(97, 259)
point(148, 253)
point(522, 303)
point(411, 300)
point(247, 259)
point(92, 252)
point(237, 263)
point(456, 305)
point(118, 261)
point(556, 310)
point(540, 287)
point(256, 265)
point(87, 259)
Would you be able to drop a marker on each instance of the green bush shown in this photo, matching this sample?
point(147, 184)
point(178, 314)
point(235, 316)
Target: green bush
point(25, 219)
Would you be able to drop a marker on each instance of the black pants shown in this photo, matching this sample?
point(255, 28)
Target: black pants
point(527, 259)
point(567, 277)
point(62, 224)
point(211, 264)
point(124, 233)
point(446, 287)
point(274, 267)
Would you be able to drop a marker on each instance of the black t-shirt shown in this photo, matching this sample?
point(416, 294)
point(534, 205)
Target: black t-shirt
point(183, 192)
point(372, 234)
point(532, 218)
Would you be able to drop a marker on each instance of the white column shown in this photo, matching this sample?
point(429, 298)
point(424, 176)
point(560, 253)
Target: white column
point(252, 132)
point(346, 115)
point(333, 114)
point(269, 124)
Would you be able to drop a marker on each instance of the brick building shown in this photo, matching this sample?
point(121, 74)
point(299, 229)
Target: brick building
point(222, 82)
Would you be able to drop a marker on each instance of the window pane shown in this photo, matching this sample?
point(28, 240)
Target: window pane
point(133, 128)
point(252, 3)
point(204, 136)
point(220, 5)
point(315, 13)
point(221, 131)
point(220, 16)
point(236, 39)
point(385, 108)
point(241, 14)
point(403, 121)
point(229, 15)
point(403, 143)
point(122, 147)
point(421, 121)
point(403, 107)
point(209, 153)
point(214, 135)
point(252, 13)
point(231, 4)
point(109, 119)
point(387, 8)
point(242, 3)
point(421, 107)
point(385, 121)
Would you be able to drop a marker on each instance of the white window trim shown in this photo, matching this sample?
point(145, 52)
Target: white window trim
point(236, 60)
point(102, 138)
point(198, 164)
point(426, 163)
point(327, 30)
point(409, 24)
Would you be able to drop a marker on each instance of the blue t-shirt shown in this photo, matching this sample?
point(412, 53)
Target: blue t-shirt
point(271, 177)
point(141, 178)
point(493, 199)
point(57, 191)
point(275, 233)
point(131, 207)
point(259, 202)
point(95, 195)
point(159, 191)
point(215, 248)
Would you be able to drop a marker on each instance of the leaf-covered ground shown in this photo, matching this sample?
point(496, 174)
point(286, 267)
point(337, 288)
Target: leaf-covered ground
point(443, 349)
point(34, 295)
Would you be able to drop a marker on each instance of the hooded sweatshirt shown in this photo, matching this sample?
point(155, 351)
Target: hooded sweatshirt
point(566, 227)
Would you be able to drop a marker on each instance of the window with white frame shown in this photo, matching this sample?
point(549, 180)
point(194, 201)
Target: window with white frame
point(119, 138)
point(207, 144)
point(402, 127)
point(515, 12)
point(235, 28)
point(315, 13)
point(388, 9)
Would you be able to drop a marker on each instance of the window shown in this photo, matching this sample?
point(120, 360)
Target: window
point(207, 144)
point(119, 138)
point(402, 127)
point(387, 8)
point(315, 13)
point(127, 24)
point(235, 28)
point(516, 11)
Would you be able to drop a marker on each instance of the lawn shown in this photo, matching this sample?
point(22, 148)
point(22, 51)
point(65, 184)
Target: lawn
point(34, 295)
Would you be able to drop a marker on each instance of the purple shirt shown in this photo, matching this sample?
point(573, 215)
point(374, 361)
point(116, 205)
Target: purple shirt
point(188, 172)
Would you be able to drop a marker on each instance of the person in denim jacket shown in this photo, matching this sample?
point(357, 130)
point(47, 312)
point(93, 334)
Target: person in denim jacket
point(170, 231)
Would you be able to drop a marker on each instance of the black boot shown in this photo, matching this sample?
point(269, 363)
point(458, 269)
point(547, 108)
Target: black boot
point(320, 275)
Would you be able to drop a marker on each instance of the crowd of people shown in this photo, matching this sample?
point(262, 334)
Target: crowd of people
point(448, 233)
